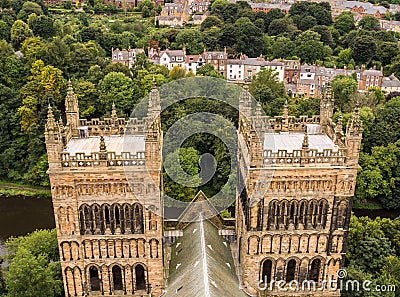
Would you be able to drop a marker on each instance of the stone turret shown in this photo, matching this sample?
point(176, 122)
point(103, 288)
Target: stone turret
point(153, 140)
point(353, 137)
point(326, 107)
point(53, 140)
point(154, 101)
point(72, 111)
point(285, 118)
point(245, 102)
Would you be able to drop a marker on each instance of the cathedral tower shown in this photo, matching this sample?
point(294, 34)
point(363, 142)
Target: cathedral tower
point(293, 226)
point(110, 241)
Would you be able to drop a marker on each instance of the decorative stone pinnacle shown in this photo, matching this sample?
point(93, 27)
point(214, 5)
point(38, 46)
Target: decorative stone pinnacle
point(103, 147)
point(285, 110)
point(305, 141)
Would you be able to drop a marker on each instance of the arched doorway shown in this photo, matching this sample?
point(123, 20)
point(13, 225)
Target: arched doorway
point(266, 271)
point(117, 278)
point(290, 270)
point(313, 274)
point(94, 278)
point(140, 277)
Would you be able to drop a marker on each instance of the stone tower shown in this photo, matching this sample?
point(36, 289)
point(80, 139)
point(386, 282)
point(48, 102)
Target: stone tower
point(292, 217)
point(110, 241)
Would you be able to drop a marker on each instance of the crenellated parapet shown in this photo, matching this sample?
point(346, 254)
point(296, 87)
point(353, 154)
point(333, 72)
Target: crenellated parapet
point(109, 142)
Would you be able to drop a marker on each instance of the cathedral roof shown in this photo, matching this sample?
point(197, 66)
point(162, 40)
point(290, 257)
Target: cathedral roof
point(201, 264)
point(114, 143)
point(291, 141)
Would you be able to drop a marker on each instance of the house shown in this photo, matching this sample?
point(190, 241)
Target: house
point(172, 58)
point(218, 59)
point(193, 62)
point(390, 84)
point(125, 57)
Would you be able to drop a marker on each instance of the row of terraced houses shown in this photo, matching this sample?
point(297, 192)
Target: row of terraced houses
point(300, 80)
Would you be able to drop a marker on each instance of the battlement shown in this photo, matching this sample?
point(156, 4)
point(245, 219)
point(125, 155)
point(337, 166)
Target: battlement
point(108, 142)
point(300, 157)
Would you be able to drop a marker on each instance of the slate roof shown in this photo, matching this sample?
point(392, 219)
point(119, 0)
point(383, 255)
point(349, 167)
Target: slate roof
point(202, 265)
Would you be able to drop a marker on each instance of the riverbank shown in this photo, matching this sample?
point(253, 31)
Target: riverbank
point(9, 189)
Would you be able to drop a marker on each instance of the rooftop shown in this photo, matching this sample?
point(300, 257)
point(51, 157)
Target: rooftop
point(114, 143)
point(291, 141)
point(201, 264)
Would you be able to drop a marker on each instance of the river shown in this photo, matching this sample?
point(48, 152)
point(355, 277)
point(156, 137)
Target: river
point(20, 215)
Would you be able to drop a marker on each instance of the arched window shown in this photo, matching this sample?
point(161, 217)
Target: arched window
point(313, 274)
point(117, 217)
point(290, 270)
point(127, 217)
point(117, 278)
point(94, 279)
point(88, 223)
point(107, 217)
point(140, 277)
point(266, 271)
point(138, 219)
point(96, 215)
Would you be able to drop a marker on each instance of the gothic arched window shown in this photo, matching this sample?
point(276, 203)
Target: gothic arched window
point(266, 271)
point(117, 277)
point(313, 274)
point(290, 270)
point(140, 277)
point(94, 278)
point(138, 219)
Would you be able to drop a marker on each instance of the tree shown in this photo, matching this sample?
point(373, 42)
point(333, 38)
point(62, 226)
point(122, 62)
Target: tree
point(343, 87)
point(283, 47)
point(208, 70)
point(34, 268)
point(41, 25)
point(325, 33)
point(386, 52)
point(387, 124)
point(248, 38)
point(309, 47)
point(369, 22)
point(4, 31)
point(19, 32)
point(344, 23)
point(192, 39)
point(265, 87)
point(211, 21)
point(118, 88)
point(29, 8)
point(188, 162)
point(177, 73)
point(211, 38)
point(280, 26)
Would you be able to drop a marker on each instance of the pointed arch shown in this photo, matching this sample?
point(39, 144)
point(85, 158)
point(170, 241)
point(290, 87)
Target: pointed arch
point(138, 221)
point(117, 278)
point(266, 271)
point(291, 270)
point(140, 277)
point(94, 278)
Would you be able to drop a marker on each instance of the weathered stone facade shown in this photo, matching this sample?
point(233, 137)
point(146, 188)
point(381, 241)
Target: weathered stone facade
point(110, 242)
point(292, 217)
